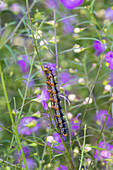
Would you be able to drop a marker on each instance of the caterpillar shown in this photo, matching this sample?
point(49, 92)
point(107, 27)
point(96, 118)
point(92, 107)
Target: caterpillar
point(54, 97)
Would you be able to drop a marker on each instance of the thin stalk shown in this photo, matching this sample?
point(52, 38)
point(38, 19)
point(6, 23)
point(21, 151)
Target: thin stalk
point(56, 51)
point(42, 157)
point(100, 134)
point(90, 94)
point(8, 163)
point(70, 141)
point(11, 117)
point(27, 4)
point(67, 153)
point(82, 156)
point(18, 25)
point(35, 43)
point(26, 89)
point(66, 150)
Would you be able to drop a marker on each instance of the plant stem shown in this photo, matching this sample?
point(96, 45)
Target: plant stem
point(67, 152)
point(56, 51)
point(11, 117)
point(100, 134)
point(82, 156)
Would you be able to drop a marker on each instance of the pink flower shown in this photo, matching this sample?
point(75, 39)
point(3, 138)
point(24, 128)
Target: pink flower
point(15, 8)
point(2, 6)
point(104, 154)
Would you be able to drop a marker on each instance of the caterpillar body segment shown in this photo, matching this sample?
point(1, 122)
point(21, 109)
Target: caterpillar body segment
point(54, 97)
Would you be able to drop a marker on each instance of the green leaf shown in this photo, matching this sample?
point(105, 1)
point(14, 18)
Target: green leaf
point(21, 95)
point(92, 5)
point(5, 36)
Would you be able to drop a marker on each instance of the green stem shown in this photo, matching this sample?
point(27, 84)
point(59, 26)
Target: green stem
point(26, 88)
point(67, 152)
point(11, 117)
point(35, 42)
point(82, 156)
point(100, 134)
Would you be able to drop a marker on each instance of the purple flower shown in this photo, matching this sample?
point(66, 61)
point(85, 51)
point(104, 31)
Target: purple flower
point(26, 152)
point(100, 119)
point(109, 59)
point(103, 154)
point(75, 124)
point(67, 79)
point(58, 146)
point(15, 8)
point(62, 167)
point(1, 124)
point(44, 98)
point(31, 163)
point(109, 13)
point(71, 4)
point(57, 137)
point(23, 64)
point(31, 81)
point(49, 65)
point(67, 27)
point(52, 3)
point(109, 56)
point(44, 104)
point(111, 65)
point(2, 5)
point(24, 67)
point(57, 143)
point(111, 79)
point(99, 47)
point(28, 125)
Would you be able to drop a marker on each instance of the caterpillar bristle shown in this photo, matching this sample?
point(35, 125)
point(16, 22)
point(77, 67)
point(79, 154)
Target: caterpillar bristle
point(54, 92)
point(53, 107)
point(65, 134)
point(46, 69)
point(59, 122)
point(52, 99)
point(57, 116)
point(48, 82)
point(56, 106)
point(52, 84)
point(60, 125)
point(56, 101)
point(50, 91)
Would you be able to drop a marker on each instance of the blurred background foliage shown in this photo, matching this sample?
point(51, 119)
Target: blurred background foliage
point(82, 64)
